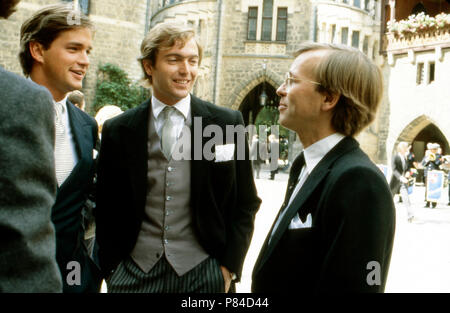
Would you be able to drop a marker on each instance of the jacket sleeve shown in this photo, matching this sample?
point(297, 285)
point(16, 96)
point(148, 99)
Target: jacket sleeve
point(359, 226)
point(240, 228)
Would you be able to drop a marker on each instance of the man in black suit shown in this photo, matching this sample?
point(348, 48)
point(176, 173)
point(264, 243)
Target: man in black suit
point(54, 54)
point(335, 230)
point(170, 216)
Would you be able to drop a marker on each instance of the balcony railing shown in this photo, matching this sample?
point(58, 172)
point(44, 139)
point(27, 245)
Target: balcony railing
point(418, 32)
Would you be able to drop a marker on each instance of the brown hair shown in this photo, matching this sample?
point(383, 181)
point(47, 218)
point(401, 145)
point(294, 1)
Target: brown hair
point(7, 7)
point(164, 36)
point(355, 77)
point(45, 26)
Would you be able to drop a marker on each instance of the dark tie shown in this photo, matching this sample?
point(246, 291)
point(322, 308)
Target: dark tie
point(296, 168)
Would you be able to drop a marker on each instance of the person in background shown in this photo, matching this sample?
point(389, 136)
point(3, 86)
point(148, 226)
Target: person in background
point(400, 177)
point(77, 99)
point(27, 184)
point(432, 161)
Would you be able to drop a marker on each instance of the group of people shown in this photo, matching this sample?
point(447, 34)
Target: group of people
point(164, 224)
point(404, 172)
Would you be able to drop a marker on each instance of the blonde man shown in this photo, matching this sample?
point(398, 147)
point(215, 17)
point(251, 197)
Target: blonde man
point(55, 45)
point(334, 232)
point(165, 224)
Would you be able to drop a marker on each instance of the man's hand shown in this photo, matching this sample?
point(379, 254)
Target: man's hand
point(226, 277)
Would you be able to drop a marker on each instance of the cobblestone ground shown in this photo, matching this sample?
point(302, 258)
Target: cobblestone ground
point(421, 255)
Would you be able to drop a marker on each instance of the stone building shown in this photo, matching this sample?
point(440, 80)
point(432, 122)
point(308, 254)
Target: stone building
point(417, 70)
point(248, 46)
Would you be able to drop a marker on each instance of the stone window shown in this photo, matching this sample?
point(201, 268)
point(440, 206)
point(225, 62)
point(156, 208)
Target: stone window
point(267, 20)
point(252, 22)
point(333, 33)
point(83, 5)
point(366, 5)
point(344, 35)
point(420, 73)
point(281, 24)
point(355, 39)
point(431, 70)
point(357, 3)
point(366, 45)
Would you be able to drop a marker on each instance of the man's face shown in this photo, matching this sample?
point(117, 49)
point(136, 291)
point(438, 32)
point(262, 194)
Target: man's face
point(66, 61)
point(300, 103)
point(174, 72)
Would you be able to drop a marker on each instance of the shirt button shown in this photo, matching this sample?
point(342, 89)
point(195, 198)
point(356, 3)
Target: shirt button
point(168, 184)
point(168, 198)
point(167, 213)
point(166, 241)
point(167, 228)
point(170, 169)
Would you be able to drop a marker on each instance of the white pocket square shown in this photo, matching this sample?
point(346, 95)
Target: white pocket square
point(224, 152)
point(297, 223)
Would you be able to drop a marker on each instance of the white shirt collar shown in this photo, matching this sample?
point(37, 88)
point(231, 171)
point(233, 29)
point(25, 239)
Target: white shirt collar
point(182, 106)
point(315, 152)
point(63, 102)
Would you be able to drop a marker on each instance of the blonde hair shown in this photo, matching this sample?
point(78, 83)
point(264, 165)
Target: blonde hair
point(105, 113)
point(355, 77)
point(161, 37)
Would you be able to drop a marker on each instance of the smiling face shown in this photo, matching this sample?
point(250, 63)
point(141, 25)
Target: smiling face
point(174, 72)
point(62, 67)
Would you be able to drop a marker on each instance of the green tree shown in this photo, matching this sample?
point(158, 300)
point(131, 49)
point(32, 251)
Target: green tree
point(115, 88)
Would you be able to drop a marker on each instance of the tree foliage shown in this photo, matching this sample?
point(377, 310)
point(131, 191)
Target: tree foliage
point(115, 88)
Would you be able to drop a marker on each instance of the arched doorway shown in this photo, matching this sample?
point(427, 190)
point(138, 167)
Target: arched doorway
point(252, 104)
point(419, 133)
point(260, 108)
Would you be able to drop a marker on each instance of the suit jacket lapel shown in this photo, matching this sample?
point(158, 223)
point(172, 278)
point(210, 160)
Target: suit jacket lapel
point(317, 175)
point(135, 137)
point(82, 137)
point(201, 117)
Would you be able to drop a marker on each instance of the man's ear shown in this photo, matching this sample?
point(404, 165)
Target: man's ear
point(330, 100)
point(148, 67)
point(36, 51)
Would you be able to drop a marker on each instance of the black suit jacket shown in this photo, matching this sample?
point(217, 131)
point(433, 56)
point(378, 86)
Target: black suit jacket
point(398, 169)
point(223, 195)
point(353, 224)
point(70, 198)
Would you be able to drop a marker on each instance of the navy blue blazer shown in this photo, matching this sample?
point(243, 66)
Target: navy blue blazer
point(70, 199)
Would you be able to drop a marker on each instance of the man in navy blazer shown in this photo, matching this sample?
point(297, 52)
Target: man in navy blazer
point(54, 54)
point(335, 230)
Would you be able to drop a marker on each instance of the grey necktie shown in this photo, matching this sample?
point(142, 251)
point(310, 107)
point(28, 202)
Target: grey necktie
point(64, 161)
point(168, 132)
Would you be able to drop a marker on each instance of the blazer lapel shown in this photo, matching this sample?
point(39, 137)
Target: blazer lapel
point(82, 135)
point(317, 175)
point(134, 136)
point(201, 118)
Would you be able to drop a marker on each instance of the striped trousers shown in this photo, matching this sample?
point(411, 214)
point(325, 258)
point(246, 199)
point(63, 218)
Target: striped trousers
point(129, 278)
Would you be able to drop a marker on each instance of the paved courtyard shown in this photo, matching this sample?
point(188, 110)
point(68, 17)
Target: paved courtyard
point(421, 254)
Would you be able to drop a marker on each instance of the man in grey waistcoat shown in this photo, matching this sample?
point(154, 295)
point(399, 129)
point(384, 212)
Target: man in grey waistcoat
point(27, 184)
point(165, 223)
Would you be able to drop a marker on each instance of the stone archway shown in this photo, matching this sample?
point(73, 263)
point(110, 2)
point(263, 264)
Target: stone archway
point(242, 90)
point(418, 133)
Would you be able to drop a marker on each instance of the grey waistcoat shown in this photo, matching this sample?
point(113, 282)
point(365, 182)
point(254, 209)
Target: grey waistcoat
point(167, 226)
